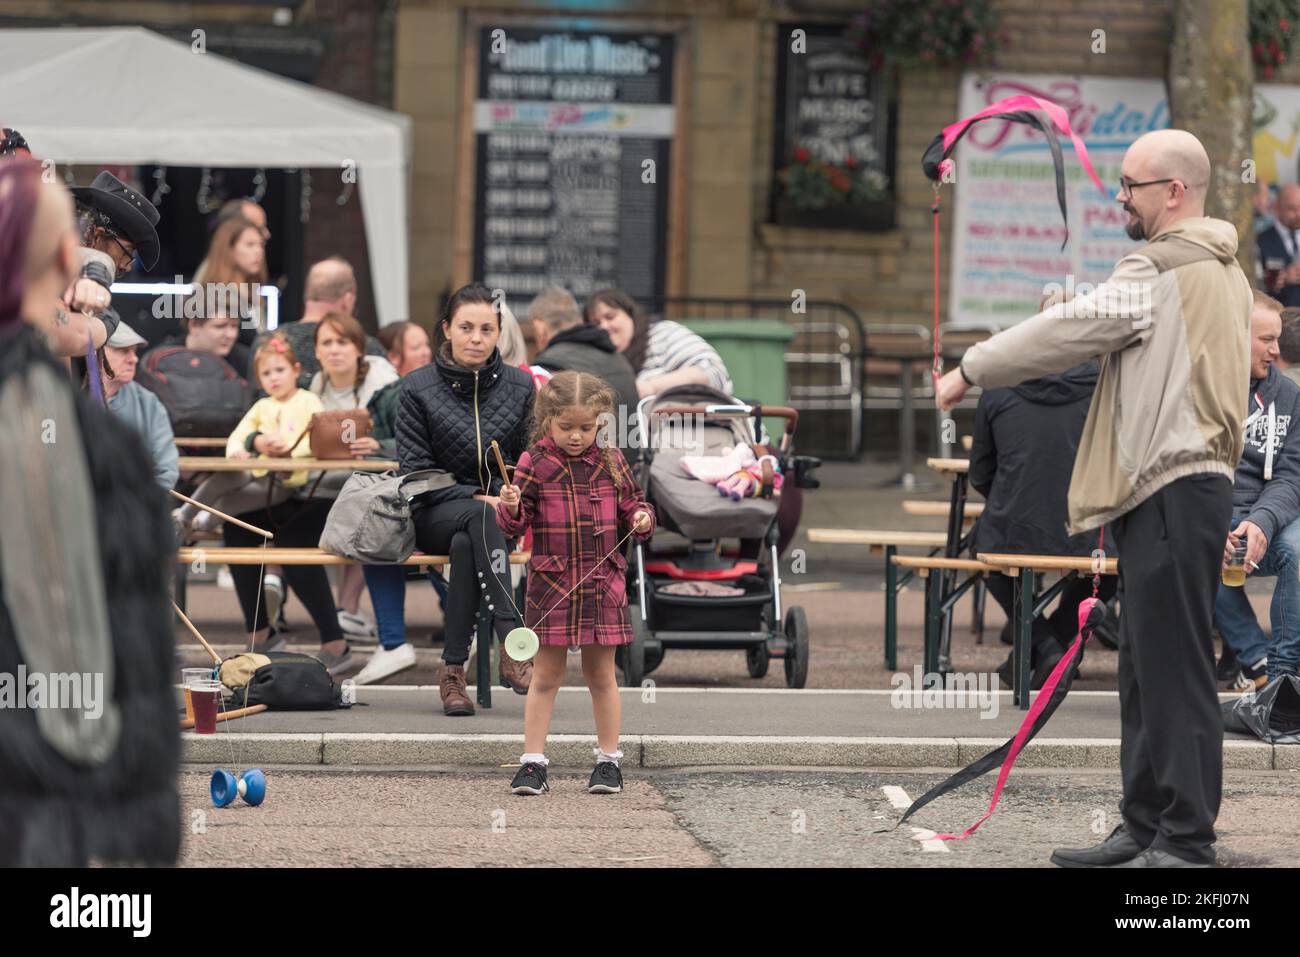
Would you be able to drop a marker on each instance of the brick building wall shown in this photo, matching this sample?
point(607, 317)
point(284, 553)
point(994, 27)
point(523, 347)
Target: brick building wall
point(888, 276)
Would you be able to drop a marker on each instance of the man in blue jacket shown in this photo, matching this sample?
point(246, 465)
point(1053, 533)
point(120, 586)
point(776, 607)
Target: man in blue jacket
point(1265, 506)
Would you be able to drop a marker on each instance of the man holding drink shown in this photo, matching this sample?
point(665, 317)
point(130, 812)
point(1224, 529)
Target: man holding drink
point(1265, 536)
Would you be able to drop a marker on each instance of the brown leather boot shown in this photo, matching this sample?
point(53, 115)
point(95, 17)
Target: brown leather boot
point(515, 675)
point(455, 695)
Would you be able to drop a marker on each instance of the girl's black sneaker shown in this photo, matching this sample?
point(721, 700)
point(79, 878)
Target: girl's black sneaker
point(606, 779)
point(530, 779)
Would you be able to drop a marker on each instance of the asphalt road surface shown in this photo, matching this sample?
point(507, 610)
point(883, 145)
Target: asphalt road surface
point(693, 818)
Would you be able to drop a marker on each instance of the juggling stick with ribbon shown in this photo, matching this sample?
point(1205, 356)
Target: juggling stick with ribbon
point(1016, 109)
point(1091, 614)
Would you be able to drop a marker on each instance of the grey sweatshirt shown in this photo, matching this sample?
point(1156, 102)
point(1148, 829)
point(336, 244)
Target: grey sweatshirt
point(1266, 487)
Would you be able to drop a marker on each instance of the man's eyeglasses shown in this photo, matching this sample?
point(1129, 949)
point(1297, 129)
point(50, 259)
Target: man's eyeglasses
point(126, 261)
point(1125, 186)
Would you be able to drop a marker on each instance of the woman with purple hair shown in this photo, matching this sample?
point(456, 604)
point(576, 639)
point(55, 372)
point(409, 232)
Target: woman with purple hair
point(83, 562)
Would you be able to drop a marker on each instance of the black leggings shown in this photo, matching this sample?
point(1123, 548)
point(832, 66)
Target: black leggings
point(296, 524)
point(457, 529)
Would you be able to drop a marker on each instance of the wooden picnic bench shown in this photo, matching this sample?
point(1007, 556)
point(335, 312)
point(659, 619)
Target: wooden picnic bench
point(256, 555)
point(1029, 602)
point(887, 543)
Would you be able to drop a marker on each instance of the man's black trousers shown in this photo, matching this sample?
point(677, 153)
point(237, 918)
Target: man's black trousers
point(1170, 550)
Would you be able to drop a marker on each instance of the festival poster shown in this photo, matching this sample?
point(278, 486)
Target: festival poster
point(1276, 124)
point(1007, 227)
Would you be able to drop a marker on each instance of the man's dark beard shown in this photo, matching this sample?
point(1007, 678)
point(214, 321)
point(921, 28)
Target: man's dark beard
point(1135, 229)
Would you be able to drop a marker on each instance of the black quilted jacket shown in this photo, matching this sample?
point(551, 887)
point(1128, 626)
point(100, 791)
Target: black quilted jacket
point(435, 422)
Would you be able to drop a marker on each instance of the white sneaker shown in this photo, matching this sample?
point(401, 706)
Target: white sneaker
point(385, 662)
point(272, 596)
point(224, 581)
point(355, 625)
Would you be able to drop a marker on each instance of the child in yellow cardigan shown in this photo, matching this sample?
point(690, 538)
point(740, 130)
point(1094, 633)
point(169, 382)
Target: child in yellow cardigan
point(270, 428)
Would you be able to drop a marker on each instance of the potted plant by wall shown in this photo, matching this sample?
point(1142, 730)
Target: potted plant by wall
point(820, 195)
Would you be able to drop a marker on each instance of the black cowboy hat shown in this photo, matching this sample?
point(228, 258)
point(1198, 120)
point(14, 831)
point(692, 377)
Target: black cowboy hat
point(134, 215)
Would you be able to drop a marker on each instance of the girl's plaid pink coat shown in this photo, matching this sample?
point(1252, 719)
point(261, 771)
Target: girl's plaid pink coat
point(570, 505)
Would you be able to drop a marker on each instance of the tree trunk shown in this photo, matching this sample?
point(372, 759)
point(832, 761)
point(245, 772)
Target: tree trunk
point(1211, 93)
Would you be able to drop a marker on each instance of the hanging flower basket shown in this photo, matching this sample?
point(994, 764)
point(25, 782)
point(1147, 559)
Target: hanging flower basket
point(928, 32)
point(819, 195)
point(1272, 32)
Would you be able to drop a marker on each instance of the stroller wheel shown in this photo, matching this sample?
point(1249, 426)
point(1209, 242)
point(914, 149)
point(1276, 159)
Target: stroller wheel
point(756, 660)
point(796, 654)
point(654, 656)
point(632, 657)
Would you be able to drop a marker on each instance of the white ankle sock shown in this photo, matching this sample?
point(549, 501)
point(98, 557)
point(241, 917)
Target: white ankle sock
point(534, 759)
point(602, 756)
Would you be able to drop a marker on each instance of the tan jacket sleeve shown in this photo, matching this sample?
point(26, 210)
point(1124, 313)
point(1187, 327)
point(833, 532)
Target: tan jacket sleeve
point(1097, 321)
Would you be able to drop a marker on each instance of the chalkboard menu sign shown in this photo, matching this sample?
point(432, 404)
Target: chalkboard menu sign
point(829, 101)
point(573, 131)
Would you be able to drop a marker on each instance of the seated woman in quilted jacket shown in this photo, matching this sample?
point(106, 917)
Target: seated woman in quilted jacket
point(448, 414)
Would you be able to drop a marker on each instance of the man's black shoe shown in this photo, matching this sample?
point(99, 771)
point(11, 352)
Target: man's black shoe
point(1116, 849)
point(1152, 857)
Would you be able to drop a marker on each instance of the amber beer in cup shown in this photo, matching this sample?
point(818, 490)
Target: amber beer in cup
point(189, 675)
point(1234, 573)
point(206, 696)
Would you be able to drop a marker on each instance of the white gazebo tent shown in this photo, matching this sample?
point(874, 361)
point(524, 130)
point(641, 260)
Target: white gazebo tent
point(127, 95)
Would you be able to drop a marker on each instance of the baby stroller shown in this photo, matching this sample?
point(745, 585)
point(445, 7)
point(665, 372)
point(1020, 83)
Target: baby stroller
point(691, 421)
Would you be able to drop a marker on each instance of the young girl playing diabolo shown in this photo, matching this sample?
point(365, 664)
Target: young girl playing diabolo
point(581, 502)
point(269, 429)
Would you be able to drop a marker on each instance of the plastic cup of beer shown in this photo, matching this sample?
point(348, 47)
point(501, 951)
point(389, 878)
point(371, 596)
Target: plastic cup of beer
point(206, 696)
point(189, 675)
point(1234, 572)
point(1272, 270)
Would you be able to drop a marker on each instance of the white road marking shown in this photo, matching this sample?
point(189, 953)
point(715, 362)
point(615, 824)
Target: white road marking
point(901, 802)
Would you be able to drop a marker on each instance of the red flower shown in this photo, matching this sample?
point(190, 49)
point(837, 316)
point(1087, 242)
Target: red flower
point(1268, 72)
point(1258, 49)
point(850, 162)
point(801, 155)
point(1285, 25)
point(840, 181)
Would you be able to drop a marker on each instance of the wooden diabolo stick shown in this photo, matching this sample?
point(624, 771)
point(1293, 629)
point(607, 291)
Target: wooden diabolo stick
point(195, 632)
point(227, 715)
point(501, 463)
point(221, 515)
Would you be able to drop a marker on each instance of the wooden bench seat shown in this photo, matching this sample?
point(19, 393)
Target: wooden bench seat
point(949, 468)
point(972, 511)
point(876, 540)
point(1012, 564)
point(255, 555)
point(923, 564)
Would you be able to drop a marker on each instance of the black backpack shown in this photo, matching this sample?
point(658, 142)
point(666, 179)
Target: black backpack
point(203, 394)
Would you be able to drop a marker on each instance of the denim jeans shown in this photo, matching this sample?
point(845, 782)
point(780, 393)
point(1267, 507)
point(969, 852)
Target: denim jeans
point(387, 585)
point(1235, 618)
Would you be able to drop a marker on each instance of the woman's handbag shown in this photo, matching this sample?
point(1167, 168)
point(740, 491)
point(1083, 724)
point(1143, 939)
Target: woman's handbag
point(370, 521)
point(332, 433)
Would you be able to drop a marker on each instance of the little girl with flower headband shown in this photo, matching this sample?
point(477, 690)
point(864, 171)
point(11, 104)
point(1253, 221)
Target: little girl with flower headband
point(269, 429)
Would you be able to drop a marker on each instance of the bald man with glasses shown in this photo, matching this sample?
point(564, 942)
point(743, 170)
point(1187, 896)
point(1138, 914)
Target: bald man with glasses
point(1155, 467)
